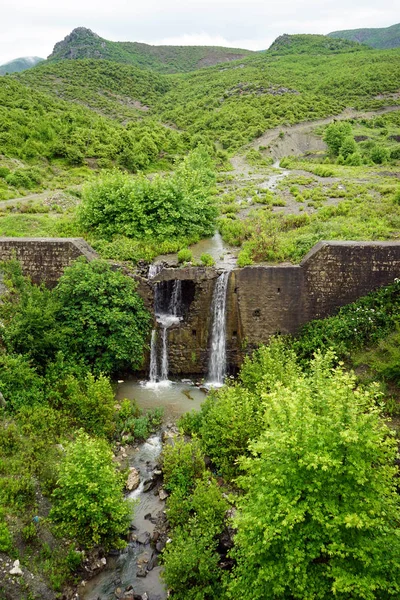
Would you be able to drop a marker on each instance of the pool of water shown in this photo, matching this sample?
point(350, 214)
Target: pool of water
point(175, 397)
point(224, 255)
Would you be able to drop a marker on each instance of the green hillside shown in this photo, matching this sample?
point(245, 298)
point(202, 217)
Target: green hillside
point(383, 37)
point(83, 43)
point(233, 104)
point(311, 44)
point(46, 141)
point(116, 90)
point(20, 64)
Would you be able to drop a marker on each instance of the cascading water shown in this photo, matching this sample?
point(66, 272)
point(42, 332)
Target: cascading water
point(217, 365)
point(168, 312)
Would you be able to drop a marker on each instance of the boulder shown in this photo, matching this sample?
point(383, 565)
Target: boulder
point(133, 479)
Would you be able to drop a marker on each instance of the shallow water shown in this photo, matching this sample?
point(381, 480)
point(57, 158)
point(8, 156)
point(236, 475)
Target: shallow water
point(224, 255)
point(121, 571)
point(174, 396)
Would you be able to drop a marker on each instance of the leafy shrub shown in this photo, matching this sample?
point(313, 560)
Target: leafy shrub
point(4, 171)
point(19, 382)
point(88, 503)
point(191, 565)
point(5, 536)
point(207, 260)
point(185, 255)
point(365, 321)
point(182, 464)
point(104, 315)
point(379, 154)
point(335, 135)
point(244, 258)
point(323, 171)
point(89, 402)
point(320, 500)
point(177, 205)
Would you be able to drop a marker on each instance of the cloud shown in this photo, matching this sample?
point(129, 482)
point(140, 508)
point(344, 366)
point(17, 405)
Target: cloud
point(32, 28)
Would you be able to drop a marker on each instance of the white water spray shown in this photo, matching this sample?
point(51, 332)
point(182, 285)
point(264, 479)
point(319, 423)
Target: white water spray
point(217, 365)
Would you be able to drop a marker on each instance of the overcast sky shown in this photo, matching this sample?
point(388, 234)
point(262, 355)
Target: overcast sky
point(32, 27)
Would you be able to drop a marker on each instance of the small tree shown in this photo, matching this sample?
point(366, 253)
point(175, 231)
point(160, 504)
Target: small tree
point(320, 516)
point(88, 502)
point(335, 134)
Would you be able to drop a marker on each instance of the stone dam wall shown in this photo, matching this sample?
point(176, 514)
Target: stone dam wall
point(261, 300)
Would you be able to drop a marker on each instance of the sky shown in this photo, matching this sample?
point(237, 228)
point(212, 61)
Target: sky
point(32, 27)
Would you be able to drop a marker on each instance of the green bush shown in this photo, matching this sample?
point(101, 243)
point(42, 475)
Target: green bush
point(207, 260)
point(6, 542)
point(191, 565)
point(105, 317)
point(185, 255)
point(380, 155)
point(319, 515)
point(88, 503)
point(173, 206)
point(182, 464)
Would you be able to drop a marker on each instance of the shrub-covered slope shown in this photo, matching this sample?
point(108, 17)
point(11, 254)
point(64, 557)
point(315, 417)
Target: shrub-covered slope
point(383, 37)
point(312, 44)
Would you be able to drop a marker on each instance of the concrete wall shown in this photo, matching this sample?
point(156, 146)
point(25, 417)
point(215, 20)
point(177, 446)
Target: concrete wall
point(261, 300)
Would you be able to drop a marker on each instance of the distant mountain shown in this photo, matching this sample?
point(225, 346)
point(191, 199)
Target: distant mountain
point(384, 37)
point(312, 44)
point(84, 43)
point(20, 64)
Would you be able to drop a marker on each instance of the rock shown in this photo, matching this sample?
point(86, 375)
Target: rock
point(149, 484)
point(147, 517)
point(133, 479)
point(152, 562)
point(144, 538)
point(103, 561)
point(141, 572)
point(16, 570)
point(3, 402)
point(163, 495)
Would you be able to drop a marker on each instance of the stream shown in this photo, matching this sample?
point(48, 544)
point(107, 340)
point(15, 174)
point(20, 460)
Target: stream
point(134, 573)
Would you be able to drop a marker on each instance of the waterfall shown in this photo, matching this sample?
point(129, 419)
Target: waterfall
point(217, 367)
point(175, 305)
point(153, 375)
point(168, 312)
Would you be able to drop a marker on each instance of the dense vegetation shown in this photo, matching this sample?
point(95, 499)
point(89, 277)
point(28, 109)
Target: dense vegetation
point(377, 37)
point(58, 414)
point(83, 43)
point(305, 464)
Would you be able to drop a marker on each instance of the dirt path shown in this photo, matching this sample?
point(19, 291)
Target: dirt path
point(297, 139)
point(47, 197)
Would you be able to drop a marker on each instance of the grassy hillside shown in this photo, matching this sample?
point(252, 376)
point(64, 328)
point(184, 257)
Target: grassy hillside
point(20, 64)
point(384, 37)
point(83, 43)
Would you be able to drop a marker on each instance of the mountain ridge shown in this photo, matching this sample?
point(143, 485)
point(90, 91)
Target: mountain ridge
point(382, 38)
point(20, 64)
point(83, 43)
